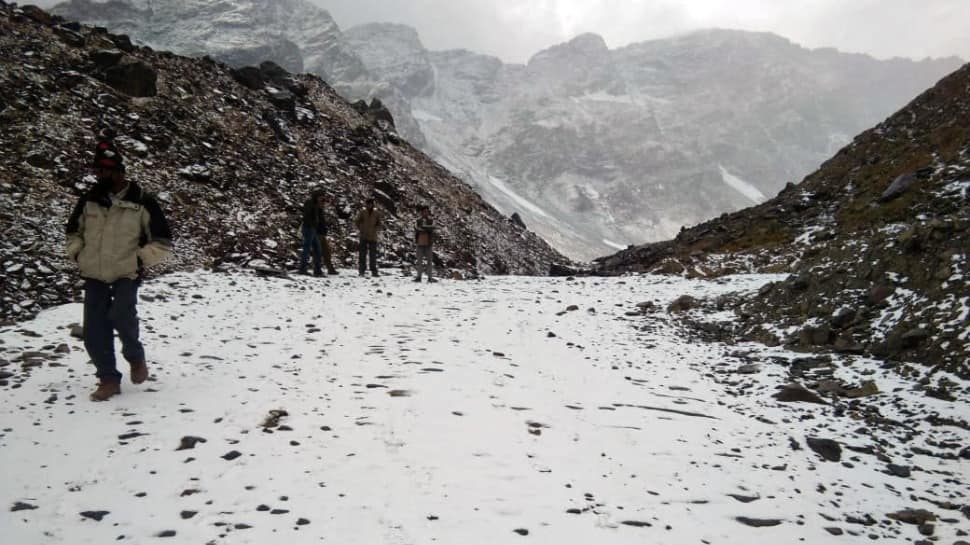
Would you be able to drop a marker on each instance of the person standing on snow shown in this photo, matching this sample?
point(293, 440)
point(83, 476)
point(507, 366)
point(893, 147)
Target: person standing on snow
point(423, 238)
point(312, 217)
point(368, 222)
point(115, 231)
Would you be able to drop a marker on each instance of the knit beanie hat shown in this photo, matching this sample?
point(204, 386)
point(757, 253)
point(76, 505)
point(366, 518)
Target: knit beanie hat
point(106, 155)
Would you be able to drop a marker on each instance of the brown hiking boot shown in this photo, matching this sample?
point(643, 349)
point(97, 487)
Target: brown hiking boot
point(106, 390)
point(139, 372)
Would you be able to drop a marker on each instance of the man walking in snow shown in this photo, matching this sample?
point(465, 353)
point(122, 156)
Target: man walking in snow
point(115, 231)
point(368, 222)
point(423, 238)
point(312, 217)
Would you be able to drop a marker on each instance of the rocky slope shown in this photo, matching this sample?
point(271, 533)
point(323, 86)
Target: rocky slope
point(296, 34)
point(876, 242)
point(594, 148)
point(232, 155)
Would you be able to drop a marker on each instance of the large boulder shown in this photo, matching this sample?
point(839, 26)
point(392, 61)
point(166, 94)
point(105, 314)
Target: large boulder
point(879, 293)
point(282, 99)
point(913, 516)
point(843, 318)
point(272, 71)
point(795, 393)
point(106, 58)
point(132, 77)
point(282, 90)
point(683, 304)
point(248, 76)
point(68, 36)
point(899, 186)
point(122, 42)
point(828, 449)
point(815, 335)
point(913, 337)
point(379, 113)
point(375, 112)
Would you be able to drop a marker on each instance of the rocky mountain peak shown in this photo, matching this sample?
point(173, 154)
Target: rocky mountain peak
point(405, 36)
point(738, 38)
point(396, 52)
point(580, 66)
point(589, 42)
point(584, 46)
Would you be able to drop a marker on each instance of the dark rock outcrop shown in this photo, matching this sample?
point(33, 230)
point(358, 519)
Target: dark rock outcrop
point(134, 78)
point(826, 448)
point(794, 393)
point(896, 189)
point(376, 112)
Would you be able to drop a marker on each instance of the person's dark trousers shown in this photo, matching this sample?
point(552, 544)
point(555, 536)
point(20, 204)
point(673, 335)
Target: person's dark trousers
point(327, 255)
point(367, 248)
point(424, 261)
point(109, 308)
point(311, 243)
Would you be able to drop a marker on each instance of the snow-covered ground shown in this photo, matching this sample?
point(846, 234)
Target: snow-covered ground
point(479, 412)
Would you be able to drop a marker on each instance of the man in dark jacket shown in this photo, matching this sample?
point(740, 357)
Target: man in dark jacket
point(423, 239)
point(115, 231)
point(312, 218)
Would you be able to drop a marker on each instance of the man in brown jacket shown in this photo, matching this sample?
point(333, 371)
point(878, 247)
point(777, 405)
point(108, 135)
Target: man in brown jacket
point(368, 222)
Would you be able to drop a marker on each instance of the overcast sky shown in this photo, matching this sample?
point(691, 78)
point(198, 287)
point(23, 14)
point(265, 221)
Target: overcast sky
point(514, 30)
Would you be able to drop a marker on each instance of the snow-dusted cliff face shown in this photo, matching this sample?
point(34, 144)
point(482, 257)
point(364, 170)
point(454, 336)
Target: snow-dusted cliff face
point(594, 148)
point(295, 34)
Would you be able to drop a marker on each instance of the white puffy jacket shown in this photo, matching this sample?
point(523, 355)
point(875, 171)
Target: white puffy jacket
point(112, 237)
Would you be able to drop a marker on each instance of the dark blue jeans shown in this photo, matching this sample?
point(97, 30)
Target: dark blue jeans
point(311, 243)
point(109, 308)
